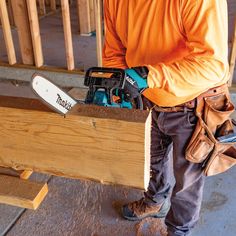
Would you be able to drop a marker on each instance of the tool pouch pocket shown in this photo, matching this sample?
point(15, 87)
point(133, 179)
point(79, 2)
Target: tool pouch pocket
point(217, 111)
point(200, 145)
point(213, 121)
point(223, 158)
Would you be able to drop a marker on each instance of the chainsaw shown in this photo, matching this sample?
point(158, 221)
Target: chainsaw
point(105, 88)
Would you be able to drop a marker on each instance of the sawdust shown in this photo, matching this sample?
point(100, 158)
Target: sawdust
point(151, 227)
point(133, 115)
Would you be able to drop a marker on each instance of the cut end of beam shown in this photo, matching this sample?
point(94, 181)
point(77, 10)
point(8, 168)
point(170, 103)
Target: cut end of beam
point(147, 150)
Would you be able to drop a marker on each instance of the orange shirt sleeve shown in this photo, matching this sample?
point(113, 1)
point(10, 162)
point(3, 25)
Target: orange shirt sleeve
point(206, 31)
point(113, 49)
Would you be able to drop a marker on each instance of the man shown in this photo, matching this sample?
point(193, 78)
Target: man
point(180, 48)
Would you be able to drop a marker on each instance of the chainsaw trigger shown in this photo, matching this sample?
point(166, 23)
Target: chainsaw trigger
point(116, 99)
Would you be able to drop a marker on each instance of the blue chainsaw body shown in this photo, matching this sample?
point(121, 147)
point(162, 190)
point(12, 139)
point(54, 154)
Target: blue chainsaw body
point(101, 99)
point(106, 88)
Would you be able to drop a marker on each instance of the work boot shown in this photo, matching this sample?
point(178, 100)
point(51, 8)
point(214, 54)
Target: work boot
point(139, 210)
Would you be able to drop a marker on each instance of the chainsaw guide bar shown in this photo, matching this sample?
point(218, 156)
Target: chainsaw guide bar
point(52, 95)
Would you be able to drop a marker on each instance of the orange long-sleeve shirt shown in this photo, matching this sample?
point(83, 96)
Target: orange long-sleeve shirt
point(182, 42)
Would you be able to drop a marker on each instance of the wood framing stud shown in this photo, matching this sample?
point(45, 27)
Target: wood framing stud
point(67, 34)
point(83, 7)
point(21, 19)
point(21, 193)
point(7, 32)
point(42, 7)
point(99, 31)
point(10, 12)
point(92, 15)
point(53, 5)
point(35, 32)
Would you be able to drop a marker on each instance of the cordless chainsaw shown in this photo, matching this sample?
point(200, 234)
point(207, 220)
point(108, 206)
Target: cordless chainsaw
point(105, 88)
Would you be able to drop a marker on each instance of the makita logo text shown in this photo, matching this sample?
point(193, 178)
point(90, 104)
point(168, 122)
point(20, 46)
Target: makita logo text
point(130, 80)
point(67, 105)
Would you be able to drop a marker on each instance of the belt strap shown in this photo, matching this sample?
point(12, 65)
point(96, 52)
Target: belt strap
point(172, 109)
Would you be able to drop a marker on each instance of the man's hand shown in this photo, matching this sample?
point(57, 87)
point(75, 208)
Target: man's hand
point(136, 81)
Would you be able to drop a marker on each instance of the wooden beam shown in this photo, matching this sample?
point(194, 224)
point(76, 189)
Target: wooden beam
point(232, 56)
point(7, 32)
point(92, 15)
point(21, 193)
point(23, 29)
point(23, 174)
point(35, 32)
point(99, 32)
point(67, 34)
point(92, 142)
point(83, 7)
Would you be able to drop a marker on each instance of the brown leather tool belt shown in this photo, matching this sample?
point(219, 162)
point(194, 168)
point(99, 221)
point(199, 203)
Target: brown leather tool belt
point(191, 105)
point(210, 145)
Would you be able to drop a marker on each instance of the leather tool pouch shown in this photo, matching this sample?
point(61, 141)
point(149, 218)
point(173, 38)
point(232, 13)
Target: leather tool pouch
point(213, 111)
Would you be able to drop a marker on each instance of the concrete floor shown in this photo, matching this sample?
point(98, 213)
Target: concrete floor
point(85, 208)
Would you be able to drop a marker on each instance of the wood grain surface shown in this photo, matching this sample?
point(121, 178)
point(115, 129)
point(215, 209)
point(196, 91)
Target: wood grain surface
point(109, 148)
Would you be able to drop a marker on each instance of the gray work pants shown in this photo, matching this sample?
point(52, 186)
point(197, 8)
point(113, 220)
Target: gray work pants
point(175, 128)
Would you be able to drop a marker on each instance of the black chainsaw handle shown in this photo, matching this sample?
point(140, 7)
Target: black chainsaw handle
point(109, 79)
point(95, 74)
point(105, 78)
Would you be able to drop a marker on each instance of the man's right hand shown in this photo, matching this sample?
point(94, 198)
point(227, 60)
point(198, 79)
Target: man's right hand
point(131, 88)
point(136, 81)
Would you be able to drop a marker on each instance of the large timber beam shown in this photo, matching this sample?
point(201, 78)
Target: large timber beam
point(106, 145)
